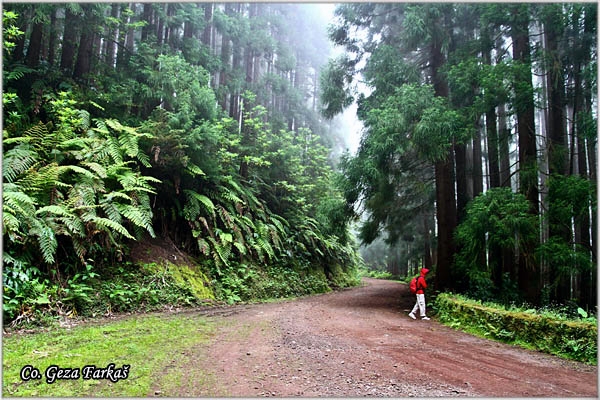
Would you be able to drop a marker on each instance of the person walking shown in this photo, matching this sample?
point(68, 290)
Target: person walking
point(420, 304)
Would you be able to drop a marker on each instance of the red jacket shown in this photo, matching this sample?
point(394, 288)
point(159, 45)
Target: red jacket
point(421, 283)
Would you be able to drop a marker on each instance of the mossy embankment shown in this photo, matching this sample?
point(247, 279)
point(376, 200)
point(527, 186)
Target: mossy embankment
point(551, 334)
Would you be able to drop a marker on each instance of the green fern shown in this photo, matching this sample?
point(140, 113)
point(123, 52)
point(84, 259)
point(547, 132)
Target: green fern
point(46, 241)
point(105, 224)
point(17, 161)
point(221, 252)
point(137, 216)
point(197, 199)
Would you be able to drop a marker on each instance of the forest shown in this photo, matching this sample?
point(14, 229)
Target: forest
point(479, 149)
point(214, 127)
point(194, 124)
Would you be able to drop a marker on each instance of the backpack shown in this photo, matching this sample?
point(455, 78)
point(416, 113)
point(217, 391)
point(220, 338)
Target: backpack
point(414, 285)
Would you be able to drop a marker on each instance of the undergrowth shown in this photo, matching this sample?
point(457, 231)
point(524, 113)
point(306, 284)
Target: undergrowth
point(245, 283)
point(126, 287)
point(548, 330)
point(142, 287)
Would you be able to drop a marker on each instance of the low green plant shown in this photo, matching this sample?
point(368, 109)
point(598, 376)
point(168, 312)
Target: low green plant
point(126, 287)
point(545, 330)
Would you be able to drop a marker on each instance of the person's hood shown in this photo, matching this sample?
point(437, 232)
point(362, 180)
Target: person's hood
point(424, 271)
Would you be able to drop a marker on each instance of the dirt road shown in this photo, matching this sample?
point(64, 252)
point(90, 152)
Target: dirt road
point(360, 342)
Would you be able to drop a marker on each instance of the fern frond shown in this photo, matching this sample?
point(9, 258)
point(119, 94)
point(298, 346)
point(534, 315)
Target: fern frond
point(202, 200)
point(96, 168)
point(18, 160)
point(194, 170)
point(221, 252)
point(247, 224)
point(137, 216)
point(144, 159)
point(79, 170)
point(241, 248)
point(39, 133)
point(80, 249)
point(280, 222)
point(225, 217)
point(16, 140)
point(82, 195)
point(111, 211)
point(17, 202)
point(100, 131)
point(10, 223)
point(46, 241)
point(203, 246)
point(84, 118)
point(105, 224)
point(112, 147)
point(53, 209)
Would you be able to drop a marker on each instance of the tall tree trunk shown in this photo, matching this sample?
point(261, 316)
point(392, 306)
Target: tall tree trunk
point(122, 47)
point(147, 16)
point(529, 279)
point(462, 196)
point(477, 162)
point(161, 32)
point(84, 53)
point(444, 186)
point(113, 36)
point(34, 50)
point(69, 44)
point(587, 165)
point(504, 139)
point(234, 108)
point(225, 64)
point(427, 261)
point(208, 16)
point(52, 36)
point(557, 142)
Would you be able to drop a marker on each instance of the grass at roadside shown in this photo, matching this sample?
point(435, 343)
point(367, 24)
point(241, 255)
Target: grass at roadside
point(153, 346)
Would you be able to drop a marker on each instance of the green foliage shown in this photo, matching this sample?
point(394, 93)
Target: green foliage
point(377, 274)
point(251, 283)
point(30, 300)
point(333, 86)
point(10, 30)
point(571, 339)
point(139, 148)
point(497, 218)
point(70, 185)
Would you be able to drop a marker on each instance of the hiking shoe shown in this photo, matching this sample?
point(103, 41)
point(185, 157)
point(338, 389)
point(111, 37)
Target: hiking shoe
point(426, 318)
point(412, 316)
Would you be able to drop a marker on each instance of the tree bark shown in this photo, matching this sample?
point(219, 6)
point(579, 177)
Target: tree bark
point(34, 50)
point(52, 37)
point(84, 53)
point(69, 44)
point(113, 36)
point(529, 279)
point(444, 185)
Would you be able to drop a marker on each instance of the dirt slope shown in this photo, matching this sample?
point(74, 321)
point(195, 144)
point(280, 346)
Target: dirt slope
point(360, 342)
